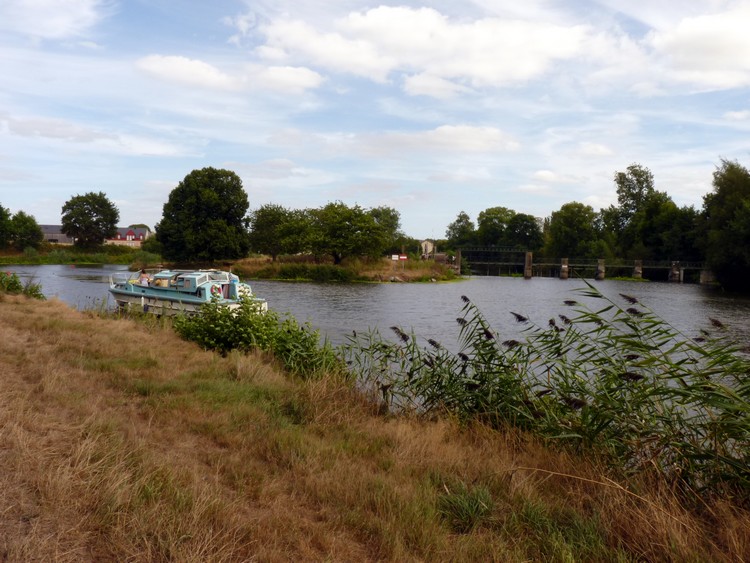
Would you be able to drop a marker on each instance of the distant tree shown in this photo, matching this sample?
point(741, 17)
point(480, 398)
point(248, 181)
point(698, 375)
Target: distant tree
point(204, 218)
point(572, 232)
point(140, 226)
point(89, 219)
point(341, 231)
point(25, 231)
point(272, 230)
point(461, 231)
point(492, 225)
point(523, 231)
point(633, 188)
point(5, 227)
point(726, 213)
point(390, 221)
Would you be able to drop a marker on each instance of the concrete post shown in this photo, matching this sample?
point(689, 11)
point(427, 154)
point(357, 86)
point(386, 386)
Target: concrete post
point(527, 267)
point(674, 272)
point(599, 270)
point(638, 269)
point(564, 269)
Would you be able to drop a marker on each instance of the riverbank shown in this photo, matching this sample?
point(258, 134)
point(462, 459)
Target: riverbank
point(380, 270)
point(120, 441)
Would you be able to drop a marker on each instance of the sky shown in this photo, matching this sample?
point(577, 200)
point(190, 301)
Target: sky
point(431, 107)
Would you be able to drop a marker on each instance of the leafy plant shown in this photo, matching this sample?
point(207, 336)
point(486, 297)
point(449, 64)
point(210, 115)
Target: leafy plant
point(297, 347)
point(11, 283)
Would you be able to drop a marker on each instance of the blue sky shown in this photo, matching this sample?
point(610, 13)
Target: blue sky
point(431, 108)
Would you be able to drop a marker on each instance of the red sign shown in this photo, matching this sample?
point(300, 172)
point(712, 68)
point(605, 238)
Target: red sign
point(402, 257)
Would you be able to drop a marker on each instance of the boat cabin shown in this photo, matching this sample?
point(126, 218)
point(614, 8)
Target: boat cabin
point(216, 281)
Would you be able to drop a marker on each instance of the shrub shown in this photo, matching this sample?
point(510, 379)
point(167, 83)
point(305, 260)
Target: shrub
point(11, 283)
point(296, 346)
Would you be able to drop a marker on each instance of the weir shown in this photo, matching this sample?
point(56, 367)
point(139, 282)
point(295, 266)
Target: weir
point(492, 261)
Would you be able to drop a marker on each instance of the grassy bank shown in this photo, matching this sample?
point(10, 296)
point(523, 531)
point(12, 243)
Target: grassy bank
point(382, 270)
point(120, 441)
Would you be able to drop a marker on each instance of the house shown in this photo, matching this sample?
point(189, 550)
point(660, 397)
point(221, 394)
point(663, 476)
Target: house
point(54, 234)
point(127, 236)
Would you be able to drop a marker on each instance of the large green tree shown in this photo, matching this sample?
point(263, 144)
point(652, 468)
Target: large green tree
point(523, 232)
point(26, 232)
point(89, 219)
point(274, 230)
point(5, 227)
point(341, 231)
point(492, 225)
point(572, 232)
point(726, 213)
point(461, 231)
point(204, 218)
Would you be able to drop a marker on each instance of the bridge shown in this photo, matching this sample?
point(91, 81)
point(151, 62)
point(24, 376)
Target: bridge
point(496, 260)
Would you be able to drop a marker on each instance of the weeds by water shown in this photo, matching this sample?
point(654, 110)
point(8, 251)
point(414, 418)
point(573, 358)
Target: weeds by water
point(11, 283)
point(297, 347)
point(608, 377)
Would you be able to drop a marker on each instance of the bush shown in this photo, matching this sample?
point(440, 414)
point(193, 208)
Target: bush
point(11, 283)
point(296, 346)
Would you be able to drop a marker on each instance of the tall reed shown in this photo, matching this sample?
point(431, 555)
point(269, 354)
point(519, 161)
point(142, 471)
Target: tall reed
point(610, 376)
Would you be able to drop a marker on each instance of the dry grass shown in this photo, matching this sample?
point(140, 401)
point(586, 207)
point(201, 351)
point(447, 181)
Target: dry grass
point(118, 441)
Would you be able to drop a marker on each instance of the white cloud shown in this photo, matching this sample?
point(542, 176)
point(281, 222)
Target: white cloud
point(52, 19)
point(186, 71)
point(742, 115)
point(428, 47)
point(594, 149)
point(292, 80)
point(450, 139)
point(710, 50)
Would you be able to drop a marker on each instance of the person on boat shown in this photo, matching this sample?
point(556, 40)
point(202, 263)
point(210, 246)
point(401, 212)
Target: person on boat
point(143, 278)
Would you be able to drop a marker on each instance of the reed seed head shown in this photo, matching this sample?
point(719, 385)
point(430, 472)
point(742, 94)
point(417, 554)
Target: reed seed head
point(716, 323)
point(629, 298)
point(519, 318)
point(570, 302)
point(434, 343)
point(633, 311)
point(511, 343)
point(465, 299)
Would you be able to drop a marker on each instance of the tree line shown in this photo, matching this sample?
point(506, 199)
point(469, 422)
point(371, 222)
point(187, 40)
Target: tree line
point(207, 218)
point(645, 224)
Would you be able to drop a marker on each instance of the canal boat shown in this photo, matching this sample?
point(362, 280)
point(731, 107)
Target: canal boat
point(170, 292)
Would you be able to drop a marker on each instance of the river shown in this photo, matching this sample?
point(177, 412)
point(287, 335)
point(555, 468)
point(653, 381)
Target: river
point(430, 310)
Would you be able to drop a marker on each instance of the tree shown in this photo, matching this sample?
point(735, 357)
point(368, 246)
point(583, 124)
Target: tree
point(204, 218)
point(341, 231)
point(89, 219)
point(461, 231)
point(726, 213)
point(492, 225)
point(5, 227)
point(523, 231)
point(633, 187)
point(271, 227)
point(25, 231)
point(572, 232)
point(390, 220)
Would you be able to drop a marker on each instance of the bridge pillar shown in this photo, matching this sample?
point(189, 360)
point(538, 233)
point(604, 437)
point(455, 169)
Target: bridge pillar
point(564, 269)
point(599, 269)
point(527, 266)
point(638, 269)
point(675, 272)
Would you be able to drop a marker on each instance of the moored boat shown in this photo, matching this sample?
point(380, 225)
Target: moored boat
point(170, 292)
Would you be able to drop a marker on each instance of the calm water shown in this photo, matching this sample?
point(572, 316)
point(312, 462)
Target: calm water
point(429, 309)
